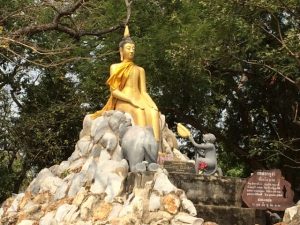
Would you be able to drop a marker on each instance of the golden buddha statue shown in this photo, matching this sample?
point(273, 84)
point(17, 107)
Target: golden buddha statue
point(127, 84)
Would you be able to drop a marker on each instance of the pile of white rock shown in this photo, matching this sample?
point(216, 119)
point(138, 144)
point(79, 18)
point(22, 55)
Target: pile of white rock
point(88, 188)
point(292, 215)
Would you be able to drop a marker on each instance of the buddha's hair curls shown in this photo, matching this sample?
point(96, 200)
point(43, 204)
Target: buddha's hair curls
point(124, 41)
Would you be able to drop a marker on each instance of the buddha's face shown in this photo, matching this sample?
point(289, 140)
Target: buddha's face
point(127, 51)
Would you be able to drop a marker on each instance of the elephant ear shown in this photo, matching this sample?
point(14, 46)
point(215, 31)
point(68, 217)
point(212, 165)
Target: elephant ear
point(183, 131)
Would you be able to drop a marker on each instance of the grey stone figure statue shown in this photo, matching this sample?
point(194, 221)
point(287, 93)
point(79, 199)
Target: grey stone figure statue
point(206, 156)
point(205, 153)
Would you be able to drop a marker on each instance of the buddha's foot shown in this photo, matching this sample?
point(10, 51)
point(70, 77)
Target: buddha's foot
point(153, 167)
point(140, 167)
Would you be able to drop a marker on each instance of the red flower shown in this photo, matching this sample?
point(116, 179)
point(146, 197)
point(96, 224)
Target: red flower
point(202, 166)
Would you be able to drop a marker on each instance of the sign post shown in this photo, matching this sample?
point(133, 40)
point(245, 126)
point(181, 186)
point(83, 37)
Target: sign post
point(267, 189)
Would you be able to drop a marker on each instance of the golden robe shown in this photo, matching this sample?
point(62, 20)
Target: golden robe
point(117, 80)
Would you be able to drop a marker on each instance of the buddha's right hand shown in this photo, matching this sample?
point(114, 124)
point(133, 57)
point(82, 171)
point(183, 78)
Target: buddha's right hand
point(149, 101)
point(153, 106)
point(137, 104)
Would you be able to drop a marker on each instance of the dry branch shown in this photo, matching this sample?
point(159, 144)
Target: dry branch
point(128, 7)
point(56, 24)
point(20, 37)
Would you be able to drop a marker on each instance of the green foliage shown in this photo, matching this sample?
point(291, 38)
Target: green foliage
point(8, 176)
point(228, 68)
point(44, 133)
point(50, 120)
point(237, 171)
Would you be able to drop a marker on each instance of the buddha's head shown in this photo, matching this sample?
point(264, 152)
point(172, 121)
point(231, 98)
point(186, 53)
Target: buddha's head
point(127, 49)
point(126, 46)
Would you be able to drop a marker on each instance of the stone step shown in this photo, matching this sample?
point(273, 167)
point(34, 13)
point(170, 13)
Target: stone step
point(228, 215)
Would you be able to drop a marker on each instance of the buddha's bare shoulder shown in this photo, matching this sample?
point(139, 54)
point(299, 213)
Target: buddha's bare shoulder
point(116, 65)
point(141, 69)
point(112, 66)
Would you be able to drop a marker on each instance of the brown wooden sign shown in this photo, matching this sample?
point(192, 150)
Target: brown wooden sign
point(179, 167)
point(267, 189)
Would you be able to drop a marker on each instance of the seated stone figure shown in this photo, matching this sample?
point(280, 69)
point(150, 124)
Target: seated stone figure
point(206, 154)
point(128, 90)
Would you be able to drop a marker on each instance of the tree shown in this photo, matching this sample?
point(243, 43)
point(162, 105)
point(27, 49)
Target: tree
point(40, 44)
point(235, 67)
point(8, 151)
point(230, 68)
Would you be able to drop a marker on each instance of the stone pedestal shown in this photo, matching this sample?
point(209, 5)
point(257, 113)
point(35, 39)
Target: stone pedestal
point(210, 190)
point(218, 199)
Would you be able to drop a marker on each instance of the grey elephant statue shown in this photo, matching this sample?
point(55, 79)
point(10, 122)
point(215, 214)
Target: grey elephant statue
point(140, 148)
point(138, 144)
point(110, 129)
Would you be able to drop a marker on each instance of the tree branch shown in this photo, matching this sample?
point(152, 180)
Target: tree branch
point(35, 49)
point(73, 32)
point(14, 98)
point(286, 7)
point(281, 41)
point(270, 68)
point(128, 8)
point(296, 112)
point(54, 64)
point(13, 14)
point(68, 11)
point(80, 33)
